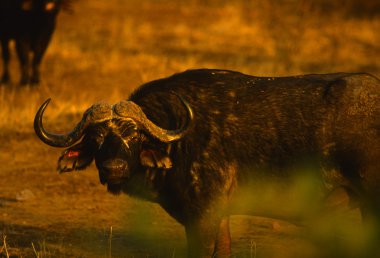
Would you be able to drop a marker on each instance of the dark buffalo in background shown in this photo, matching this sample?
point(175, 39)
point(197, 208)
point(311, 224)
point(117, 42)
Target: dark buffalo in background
point(30, 23)
point(207, 144)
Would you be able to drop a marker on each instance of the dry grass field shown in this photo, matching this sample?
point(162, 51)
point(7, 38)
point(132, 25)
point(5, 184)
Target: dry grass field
point(105, 49)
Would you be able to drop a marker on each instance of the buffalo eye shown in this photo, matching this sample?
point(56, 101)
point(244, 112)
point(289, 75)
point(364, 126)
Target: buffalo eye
point(97, 134)
point(134, 139)
point(128, 130)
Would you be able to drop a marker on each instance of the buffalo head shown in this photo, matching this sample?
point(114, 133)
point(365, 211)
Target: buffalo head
point(123, 141)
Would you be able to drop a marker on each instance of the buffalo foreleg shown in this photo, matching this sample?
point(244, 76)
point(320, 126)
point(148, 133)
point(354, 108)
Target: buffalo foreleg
point(201, 239)
point(209, 238)
point(6, 57)
point(39, 48)
point(223, 242)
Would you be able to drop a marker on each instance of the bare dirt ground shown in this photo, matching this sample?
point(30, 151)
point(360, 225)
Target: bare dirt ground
point(105, 49)
point(44, 214)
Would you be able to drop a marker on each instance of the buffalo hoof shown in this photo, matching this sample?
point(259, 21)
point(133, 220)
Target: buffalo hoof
point(35, 81)
point(5, 79)
point(24, 81)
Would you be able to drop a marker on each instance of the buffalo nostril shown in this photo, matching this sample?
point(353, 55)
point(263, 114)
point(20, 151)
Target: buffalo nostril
point(114, 165)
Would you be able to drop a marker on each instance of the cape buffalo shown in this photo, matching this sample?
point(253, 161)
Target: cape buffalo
point(206, 144)
point(31, 24)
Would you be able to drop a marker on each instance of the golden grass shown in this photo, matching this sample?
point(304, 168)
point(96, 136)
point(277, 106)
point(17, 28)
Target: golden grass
point(4, 247)
point(106, 49)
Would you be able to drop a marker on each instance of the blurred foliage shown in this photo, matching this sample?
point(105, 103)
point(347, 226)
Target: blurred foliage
point(103, 50)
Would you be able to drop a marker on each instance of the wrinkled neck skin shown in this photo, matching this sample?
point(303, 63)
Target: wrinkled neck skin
point(170, 188)
point(143, 184)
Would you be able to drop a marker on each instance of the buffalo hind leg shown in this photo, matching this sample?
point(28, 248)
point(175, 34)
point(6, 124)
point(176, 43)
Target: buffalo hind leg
point(371, 222)
point(370, 207)
point(22, 48)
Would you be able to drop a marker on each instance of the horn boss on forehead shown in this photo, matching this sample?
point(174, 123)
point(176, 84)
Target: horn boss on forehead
point(128, 109)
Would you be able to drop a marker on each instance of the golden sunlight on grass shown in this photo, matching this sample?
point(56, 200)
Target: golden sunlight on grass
point(104, 50)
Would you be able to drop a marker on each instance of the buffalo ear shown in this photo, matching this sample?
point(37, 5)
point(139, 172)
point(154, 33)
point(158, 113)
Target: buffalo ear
point(155, 159)
point(77, 157)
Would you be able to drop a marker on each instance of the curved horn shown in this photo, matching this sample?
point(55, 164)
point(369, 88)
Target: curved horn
point(128, 109)
point(98, 113)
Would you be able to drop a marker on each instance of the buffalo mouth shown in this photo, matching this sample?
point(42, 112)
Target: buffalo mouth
point(114, 184)
point(114, 173)
point(115, 181)
point(114, 188)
